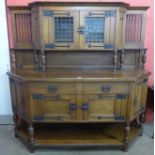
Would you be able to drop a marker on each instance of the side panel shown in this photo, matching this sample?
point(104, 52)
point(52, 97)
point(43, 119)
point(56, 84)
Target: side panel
point(140, 95)
point(17, 95)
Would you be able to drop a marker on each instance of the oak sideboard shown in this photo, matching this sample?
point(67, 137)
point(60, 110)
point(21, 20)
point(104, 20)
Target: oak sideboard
point(77, 74)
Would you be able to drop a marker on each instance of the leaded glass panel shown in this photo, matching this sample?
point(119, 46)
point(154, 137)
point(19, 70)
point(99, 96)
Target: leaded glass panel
point(94, 29)
point(64, 29)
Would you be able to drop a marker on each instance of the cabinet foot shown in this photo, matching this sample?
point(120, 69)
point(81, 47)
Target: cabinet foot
point(142, 119)
point(126, 138)
point(125, 149)
point(31, 148)
point(16, 135)
point(31, 133)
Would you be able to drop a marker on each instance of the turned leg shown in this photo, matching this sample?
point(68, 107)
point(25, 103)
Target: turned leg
point(141, 119)
point(15, 120)
point(31, 137)
point(126, 138)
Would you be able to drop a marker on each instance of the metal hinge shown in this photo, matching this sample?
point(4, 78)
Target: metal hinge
point(48, 13)
point(45, 97)
point(53, 46)
point(110, 13)
point(37, 96)
point(107, 46)
point(39, 118)
point(121, 96)
point(49, 45)
point(119, 118)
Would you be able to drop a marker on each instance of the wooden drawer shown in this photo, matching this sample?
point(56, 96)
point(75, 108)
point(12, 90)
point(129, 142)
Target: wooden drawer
point(47, 88)
point(100, 88)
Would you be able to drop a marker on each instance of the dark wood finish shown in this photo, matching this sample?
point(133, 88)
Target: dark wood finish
point(78, 75)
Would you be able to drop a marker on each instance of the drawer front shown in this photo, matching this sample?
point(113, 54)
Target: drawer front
point(47, 88)
point(101, 88)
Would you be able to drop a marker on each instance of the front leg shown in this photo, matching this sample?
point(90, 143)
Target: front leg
point(141, 120)
point(31, 137)
point(126, 137)
point(15, 120)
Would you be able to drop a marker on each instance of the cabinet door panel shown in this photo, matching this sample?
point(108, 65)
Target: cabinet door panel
point(104, 108)
point(140, 97)
point(17, 95)
point(60, 29)
point(53, 107)
point(97, 29)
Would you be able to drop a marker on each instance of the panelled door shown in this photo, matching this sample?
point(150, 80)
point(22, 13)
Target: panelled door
point(104, 107)
point(140, 97)
point(17, 95)
point(60, 29)
point(48, 107)
point(97, 29)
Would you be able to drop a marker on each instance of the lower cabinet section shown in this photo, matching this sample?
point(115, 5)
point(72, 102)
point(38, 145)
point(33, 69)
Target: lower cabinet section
point(101, 107)
point(78, 114)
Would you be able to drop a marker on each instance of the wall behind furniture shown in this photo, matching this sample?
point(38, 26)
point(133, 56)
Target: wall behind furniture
point(5, 102)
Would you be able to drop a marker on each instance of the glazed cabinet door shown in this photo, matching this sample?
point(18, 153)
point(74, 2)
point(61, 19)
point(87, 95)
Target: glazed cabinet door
point(53, 108)
point(59, 29)
point(97, 29)
point(104, 107)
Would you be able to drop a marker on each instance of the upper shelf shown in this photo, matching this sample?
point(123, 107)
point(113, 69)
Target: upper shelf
point(78, 26)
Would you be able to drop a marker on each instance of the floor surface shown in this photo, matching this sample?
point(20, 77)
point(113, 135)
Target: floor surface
point(9, 145)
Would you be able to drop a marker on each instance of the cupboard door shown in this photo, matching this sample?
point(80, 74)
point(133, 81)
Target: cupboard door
point(104, 107)
point(97, 29)
point(53, 108)
point(60, 29)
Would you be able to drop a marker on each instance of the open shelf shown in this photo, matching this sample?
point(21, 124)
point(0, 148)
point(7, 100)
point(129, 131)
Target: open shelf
point(79, 134)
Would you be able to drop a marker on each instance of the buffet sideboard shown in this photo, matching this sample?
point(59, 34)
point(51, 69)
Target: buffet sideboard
point(77, 74)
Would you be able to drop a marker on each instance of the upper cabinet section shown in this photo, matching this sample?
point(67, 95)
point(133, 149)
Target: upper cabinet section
point(77, 29)
point(78, 26)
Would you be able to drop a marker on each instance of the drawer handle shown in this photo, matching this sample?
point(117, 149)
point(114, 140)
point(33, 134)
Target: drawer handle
point(52, 89)
point(85, 107)
point(106, 88)
point(73, 107)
